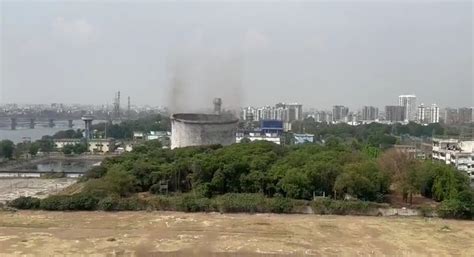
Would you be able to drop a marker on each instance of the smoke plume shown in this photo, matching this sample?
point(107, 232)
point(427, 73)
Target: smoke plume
point(199, 74)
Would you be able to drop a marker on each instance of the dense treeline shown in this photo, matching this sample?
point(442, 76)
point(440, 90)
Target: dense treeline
point(9, 150)
point(260, 167)
point(248, 203)
point(70, 133)
point(300, 172)
point(375, 134)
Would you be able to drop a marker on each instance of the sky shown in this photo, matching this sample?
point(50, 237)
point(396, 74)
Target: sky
point(183, 54)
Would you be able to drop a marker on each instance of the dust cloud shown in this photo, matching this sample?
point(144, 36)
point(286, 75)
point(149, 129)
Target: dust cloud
point(197, 75)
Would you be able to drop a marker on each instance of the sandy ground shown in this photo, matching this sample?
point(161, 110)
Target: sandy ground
point(11, 188)
point(38, 233)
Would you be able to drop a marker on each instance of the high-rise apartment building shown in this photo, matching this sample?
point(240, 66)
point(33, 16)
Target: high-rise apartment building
point(284, 112)
point(294, 110)
point(394, 113)
point(427, 114)
point(409, 102)
point(420, 115)
point(450, 116)
point(434, 114)
point(339, 113)
point(370, 113)
point(465, 115)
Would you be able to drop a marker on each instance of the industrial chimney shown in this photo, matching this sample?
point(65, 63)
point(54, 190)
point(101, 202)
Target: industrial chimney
point(217, 105)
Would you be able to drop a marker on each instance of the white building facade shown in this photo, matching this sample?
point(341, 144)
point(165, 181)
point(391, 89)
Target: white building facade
point(455, 152)
point(427, 114)
point(409, 102)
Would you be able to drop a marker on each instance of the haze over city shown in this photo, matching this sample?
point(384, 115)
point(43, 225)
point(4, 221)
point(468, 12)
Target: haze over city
point(319, 53)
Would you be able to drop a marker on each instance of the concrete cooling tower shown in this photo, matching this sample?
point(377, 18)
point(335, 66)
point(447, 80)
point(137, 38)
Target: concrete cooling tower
point(195, 129)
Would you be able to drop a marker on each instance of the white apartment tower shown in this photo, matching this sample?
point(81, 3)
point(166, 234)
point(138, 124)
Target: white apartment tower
point(434, 117)
point(420, 117)
point(409, 102)
point(427, 115)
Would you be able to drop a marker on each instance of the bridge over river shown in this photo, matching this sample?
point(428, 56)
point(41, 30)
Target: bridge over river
point(51, 166)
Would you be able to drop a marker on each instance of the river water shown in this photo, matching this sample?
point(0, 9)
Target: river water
point(63, 166)
point(21, 133)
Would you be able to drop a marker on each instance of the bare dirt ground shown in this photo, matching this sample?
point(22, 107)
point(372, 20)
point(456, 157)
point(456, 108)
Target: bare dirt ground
point(11, 188)
point(39, 233)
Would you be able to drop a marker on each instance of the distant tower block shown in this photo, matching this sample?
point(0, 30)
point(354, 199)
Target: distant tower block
point(70, 123)
point(51, 123)
point(217, 105)
point(13, 123)
point(32, 123)
point(87, 126)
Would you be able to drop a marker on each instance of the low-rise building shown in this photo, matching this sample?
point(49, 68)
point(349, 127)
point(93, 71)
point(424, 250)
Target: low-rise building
point(61, 143)
point(303, 138)
point(257, 136)
point(101, 145)
point(162, 136)
point(411, 150)
point(459, 153)
point(137, 135)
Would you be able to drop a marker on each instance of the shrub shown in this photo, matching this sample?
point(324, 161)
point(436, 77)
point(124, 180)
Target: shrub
point(241, 203)
point(25, 203)
point(189, 203)
point(454, 208)
point(280, 205)
point(155, 189)
point(321, 206)
point(81, 201)
point(108, 203)
point(162, 203)
point(94, 172)
point(112, 203)
point(426, 210)
point(55, 203)
point(132, 204)
point(328, 206)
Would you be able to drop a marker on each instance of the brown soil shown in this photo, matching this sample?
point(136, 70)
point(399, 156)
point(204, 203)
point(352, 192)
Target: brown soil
point(38, 233)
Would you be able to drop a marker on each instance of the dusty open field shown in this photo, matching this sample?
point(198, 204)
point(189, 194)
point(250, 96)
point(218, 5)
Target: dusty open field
point(28, 233)
point(11, 188)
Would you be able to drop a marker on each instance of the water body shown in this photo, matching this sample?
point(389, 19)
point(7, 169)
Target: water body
point(22, 133)
point(61, 166)
point(65, 166)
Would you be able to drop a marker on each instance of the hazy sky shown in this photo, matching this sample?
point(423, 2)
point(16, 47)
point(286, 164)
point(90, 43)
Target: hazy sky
point(173, 53)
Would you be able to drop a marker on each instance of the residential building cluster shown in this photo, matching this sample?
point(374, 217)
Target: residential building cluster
point(458, 116)
point(286, 112)
point(407, 110)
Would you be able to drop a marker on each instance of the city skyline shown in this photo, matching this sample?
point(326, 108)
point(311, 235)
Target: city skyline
point(330, 53)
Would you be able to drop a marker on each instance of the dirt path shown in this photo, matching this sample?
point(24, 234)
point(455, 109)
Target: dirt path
point(188, 234)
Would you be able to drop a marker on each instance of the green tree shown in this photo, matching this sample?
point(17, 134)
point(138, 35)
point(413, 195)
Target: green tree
point(80, 148)
point(117, 181)
point(46, 144)
point(362, 180)
point(68, 149)
point(295, 184)
point(7, 149)
point(33, 149)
